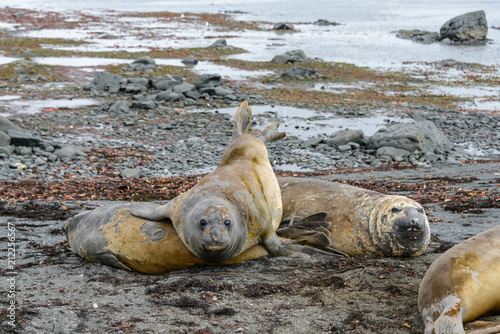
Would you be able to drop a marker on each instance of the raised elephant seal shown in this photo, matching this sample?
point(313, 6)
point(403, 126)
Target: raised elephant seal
point(112, 236)
point(235, 207)
point(362, 221)
point(463, 284)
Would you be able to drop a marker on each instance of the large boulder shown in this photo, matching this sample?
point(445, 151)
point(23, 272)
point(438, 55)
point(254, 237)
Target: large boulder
point(208, 80)
point(420, 137)
point(468, 27)
point(342, 137)
point(105, 81)
point(294, 56)
point(6, 125)
point(299, 72)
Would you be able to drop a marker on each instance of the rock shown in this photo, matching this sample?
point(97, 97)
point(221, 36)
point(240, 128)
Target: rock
point(193, 94)
point(469, 27)
point(190, 60)
point(343, 137)
point(219, 44)
point(419, 36)
point(420, 136)
point(165, 84)
point(23, 138)
point(138, 81)
point(222, 91)
point(144, 105)
point(395, 154)
point(299, 72)
point(105, 81)
point(169, 96)
point(69, 152)
point(6, 124)
point(283, 26)
point(212, 80)
point(295, 56)
point(131, 173)
point(325, 23)
point(119, 107)
point(135, 89)
point(4, 139)
point(184, 88)
point(344, 148)
point(5, 151)
point(144, 63)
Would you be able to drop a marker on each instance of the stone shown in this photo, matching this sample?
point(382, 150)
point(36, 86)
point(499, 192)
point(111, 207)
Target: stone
point(144, 105)
point(212, 80)
point(4, 139)
point(193, 94)
point(6, 124)
point(321, 22)
point(23, 138)
point(169, 96)
point(290, 57)
point(105, 81)
point(138, 81)
point(165, 84)
point(422, 137)
point(190, 60)
point(219, 44)
point(395, 153)
point(222, 91)
point(119, 107)
point(69, 152)
point(184, 88)
point(419, 36)
point(131, 173)
point(468, 27)
point(283, 26)
point(145, 61)
point(298, 72)
point(343, 137)
point(135, 89)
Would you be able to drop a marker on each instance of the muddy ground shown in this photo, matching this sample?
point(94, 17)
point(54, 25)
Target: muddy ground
point(58, 292)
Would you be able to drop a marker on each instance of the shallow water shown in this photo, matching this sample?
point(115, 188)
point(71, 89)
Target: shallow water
point(15, 106)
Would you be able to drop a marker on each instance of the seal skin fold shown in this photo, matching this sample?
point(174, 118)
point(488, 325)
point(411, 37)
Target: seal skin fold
point(112, 236)
point(463, 284)
point(361, 221)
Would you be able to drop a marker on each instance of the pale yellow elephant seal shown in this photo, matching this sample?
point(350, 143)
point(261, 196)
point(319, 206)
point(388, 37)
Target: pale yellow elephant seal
point(362, 221)
point(462, 285)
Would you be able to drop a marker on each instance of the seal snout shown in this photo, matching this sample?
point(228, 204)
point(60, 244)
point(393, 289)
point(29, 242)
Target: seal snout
point(215, 235)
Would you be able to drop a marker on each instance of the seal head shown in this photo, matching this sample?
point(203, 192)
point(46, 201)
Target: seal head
point(400, 227)
point(216, 233)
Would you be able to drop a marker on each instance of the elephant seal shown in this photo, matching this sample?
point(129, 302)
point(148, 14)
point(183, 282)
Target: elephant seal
point(236, 206)
point(463, 284)
point(112, 236)
point(362, 221)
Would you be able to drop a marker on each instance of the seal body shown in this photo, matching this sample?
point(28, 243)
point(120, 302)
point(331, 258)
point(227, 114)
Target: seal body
point(361, 221)
point(462, 284)
point(112, 236)
point(236, 206)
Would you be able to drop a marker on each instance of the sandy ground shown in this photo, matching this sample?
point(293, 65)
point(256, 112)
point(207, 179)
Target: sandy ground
point(57, 292)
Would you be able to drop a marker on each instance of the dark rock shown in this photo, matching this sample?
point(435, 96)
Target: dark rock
point(183, 88)
point(144, 105)
point(290, 57)
point(138, 81)
point(419, 136)
point(105, 81)
point(219, 44)
point(212, 80)
point(190, 60)
point(343, 137)
point(193, 94)
point(283, 26)
point(4, 139)
point(468, 27)
point(144, 63)
point(135, 89)
point(325, 23)
point(419, 36)
point(119, 107)
point(23, 138)
point(395, 154)
point(298, 72)
point(165, 84)
point(6, 125)
point(169, 96)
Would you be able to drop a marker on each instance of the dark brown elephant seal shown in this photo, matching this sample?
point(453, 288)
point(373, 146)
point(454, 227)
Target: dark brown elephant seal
point(362, 221)
point(462, 285)
point(235, 207)
point(112, 236)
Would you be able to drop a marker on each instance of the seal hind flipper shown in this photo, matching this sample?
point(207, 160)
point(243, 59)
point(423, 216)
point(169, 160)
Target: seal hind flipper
point(482, 327)
point(270, 133)
point(276, 247)
point(242, 120)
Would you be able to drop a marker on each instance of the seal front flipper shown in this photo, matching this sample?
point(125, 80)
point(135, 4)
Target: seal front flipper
point(151, 211)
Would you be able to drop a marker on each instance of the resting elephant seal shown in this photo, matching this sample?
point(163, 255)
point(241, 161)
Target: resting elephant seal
point(362, 221)
point(235, 207)
point(112, 236)
point(462, 285)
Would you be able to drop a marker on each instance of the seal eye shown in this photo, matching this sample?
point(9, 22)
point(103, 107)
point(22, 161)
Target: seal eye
point(227, 222)
point(203, 223)
point(395, 210)
point(420, 210)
